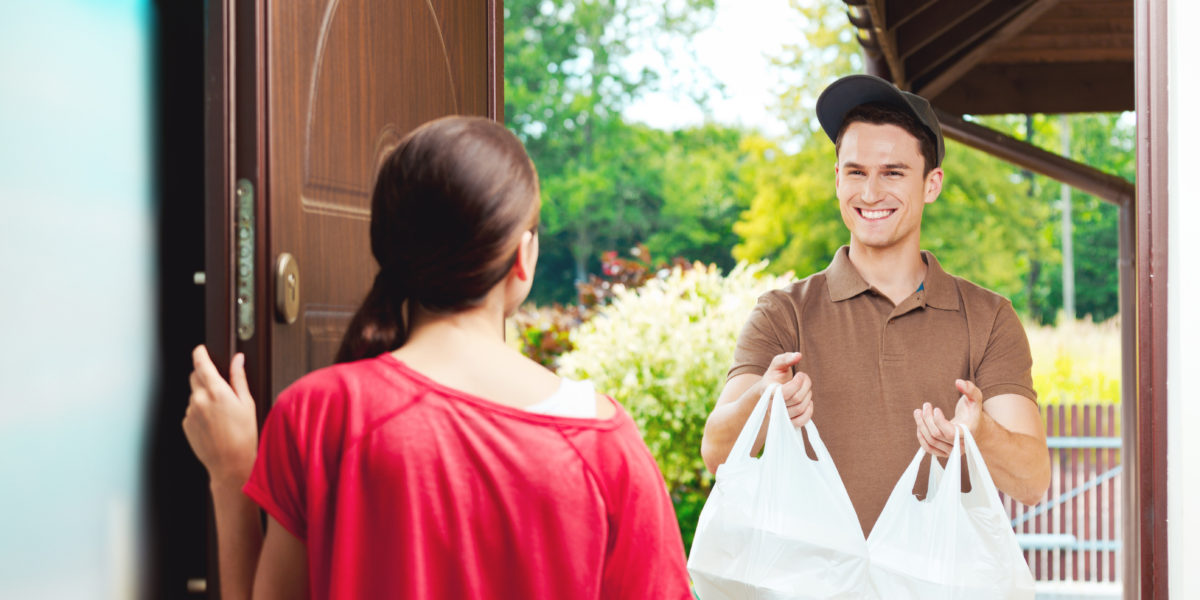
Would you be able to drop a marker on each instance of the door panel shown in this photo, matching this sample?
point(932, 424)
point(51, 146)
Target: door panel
point(346, 80)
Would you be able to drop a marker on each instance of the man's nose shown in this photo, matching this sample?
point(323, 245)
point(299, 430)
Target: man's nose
point(870, 191)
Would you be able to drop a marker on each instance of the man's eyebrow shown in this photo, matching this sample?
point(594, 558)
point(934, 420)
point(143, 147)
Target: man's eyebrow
point(886, 167)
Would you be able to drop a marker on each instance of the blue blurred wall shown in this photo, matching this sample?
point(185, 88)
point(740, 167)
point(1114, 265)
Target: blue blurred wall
point(76, 302)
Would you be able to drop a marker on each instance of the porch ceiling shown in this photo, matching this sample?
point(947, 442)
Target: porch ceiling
point(1003, 56)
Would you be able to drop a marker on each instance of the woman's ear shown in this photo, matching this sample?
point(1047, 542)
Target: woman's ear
point(526, 256)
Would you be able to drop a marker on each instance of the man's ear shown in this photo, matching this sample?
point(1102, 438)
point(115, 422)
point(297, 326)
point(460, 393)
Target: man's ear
point(933, 185)
point(523, 267)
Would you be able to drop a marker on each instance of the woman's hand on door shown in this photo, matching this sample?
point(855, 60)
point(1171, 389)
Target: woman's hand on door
point(221, 424)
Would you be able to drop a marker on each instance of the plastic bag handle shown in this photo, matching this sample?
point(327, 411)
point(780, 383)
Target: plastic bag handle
point(983, 483)
point(745, 440)
point(939, 478)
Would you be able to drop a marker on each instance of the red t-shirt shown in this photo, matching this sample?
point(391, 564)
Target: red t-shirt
point(404, 488)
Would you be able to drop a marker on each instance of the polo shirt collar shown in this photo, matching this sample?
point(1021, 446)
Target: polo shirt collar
point(940, 289)
point(842, 278)
point(844, 281)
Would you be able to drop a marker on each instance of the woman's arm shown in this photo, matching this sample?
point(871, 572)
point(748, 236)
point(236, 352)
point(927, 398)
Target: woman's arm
point(222, 428)
point(283, 568)
point(239, 540)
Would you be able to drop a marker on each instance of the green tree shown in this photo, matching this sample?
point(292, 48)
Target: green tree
point(566, 84)
point(793, 219)
point(702, 195)
point(1106, 142)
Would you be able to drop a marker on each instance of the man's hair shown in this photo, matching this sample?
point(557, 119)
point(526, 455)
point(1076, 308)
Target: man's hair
point(884, 114)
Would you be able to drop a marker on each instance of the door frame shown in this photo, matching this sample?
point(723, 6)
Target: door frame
point(1146, 520)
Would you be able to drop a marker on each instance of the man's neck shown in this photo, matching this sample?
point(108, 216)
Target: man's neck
point(897, 272)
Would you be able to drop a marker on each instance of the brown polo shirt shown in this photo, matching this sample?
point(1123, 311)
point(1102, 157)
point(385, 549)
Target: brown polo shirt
point(873, 362)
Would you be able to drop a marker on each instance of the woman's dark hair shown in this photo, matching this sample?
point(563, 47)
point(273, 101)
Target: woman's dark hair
point(448, 210)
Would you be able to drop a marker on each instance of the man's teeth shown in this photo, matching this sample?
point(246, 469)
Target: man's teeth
point(875, 214)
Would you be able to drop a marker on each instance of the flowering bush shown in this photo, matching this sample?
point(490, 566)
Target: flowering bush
point(1077, 362)
point(543, 333)
point(663, 350)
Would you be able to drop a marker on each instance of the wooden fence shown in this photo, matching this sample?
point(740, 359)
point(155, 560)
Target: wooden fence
point(1074, 533)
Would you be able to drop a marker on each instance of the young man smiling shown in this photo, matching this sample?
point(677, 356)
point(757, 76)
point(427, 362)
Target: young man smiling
point(884, 347)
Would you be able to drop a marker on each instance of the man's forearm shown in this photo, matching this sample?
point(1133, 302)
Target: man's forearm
point(239, 539)
point(725, 423)
point(1018, 463)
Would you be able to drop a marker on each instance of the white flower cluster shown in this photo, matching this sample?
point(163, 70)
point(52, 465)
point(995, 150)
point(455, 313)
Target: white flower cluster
point(663, 350)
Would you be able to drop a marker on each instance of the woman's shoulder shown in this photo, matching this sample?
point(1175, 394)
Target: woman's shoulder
point(352, 387)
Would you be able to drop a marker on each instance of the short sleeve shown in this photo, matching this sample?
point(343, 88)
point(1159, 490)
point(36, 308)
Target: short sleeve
point(645, 557)
point(277, 482)
point(760, 340)
point(1007, 363)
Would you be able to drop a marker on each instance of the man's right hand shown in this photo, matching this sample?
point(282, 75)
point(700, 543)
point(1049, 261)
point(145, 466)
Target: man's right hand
point(738, 399)
point(797, 389)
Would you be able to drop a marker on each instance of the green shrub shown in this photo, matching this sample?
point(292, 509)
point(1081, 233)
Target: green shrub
point(663, 350)
point(1077, 362)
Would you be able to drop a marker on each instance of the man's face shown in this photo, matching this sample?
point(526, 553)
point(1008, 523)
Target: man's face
point(880, 186)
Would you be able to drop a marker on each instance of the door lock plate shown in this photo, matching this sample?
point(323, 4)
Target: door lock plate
point(244, 308)
point(287, 288)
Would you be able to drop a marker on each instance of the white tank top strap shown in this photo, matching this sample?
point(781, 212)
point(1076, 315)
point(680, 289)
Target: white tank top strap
point(572, 399)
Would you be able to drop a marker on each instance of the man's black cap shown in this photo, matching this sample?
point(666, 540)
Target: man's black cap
point(853, 90)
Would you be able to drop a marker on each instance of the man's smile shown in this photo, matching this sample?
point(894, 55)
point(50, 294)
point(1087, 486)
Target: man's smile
point(876, 214)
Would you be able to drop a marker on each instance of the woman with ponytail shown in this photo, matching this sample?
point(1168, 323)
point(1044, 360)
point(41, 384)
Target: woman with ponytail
point(433, 461)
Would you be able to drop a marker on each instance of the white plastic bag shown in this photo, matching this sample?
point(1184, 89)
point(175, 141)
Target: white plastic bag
point(779, 527)
point(950, 545)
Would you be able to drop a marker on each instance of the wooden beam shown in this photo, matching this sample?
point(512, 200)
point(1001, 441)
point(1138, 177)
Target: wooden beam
point(947, 48)
point(887, 44)
point(1058, 40)
point(1082, 177)
point(1026, 16)
point(1060, 55)
point(900, 12)
point(918, 33)
point(1041, 88)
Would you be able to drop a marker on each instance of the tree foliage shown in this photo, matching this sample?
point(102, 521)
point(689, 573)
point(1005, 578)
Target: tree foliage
point(566, 84)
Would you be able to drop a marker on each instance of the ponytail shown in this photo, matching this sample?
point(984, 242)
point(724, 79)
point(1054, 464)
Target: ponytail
point(448, 210)
point(378, 326)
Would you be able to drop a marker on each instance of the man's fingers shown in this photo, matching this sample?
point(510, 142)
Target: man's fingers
point(798, 409)
point(798, 388)
point(927, 416)
point(801, 413)
point(237, 376)
point(929, 433)
point(782, 362)
point(931, 445)
point(945, 428)
point(968, 389)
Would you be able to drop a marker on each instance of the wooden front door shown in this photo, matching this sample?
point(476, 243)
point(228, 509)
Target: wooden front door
point(302, 102)
point(313, 96)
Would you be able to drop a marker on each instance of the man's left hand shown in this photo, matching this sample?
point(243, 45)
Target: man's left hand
point(935, 433)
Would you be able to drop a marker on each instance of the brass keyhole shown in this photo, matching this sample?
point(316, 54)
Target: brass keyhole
point(287, 288)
